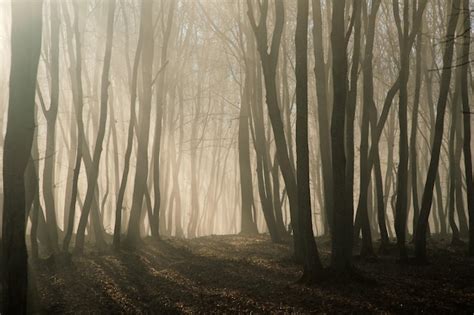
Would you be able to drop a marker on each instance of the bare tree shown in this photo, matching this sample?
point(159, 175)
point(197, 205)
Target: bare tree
point(422, 226)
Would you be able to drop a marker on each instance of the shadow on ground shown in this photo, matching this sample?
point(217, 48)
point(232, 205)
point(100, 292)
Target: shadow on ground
point(246, 274)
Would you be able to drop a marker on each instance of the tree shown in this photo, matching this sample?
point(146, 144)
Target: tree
point(323, 111)
point(467, 122)
point(422, 225)
point(93, 175)
point(128, 150)
point(51, 116)
point(311, 263)
point(75, 58)
point(367, 109)
point(341, 258)
point(269, 61)
point(25, 51)
point(141, 175)
point(160, 106)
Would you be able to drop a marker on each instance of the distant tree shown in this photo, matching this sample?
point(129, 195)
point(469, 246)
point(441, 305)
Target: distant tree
point(140, 184)
point(75, 58)
point(93, 175)
point(51, 117)
point(130, 134)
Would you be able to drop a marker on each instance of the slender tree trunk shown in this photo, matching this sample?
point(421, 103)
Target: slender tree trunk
point(365, 171)
point(51, 116)
point(160, 105)
point(467, 123)
point(93, 175)
point(141, 175)
point(128, 150)
point(420, 236)
point(323, 108)
point(413, 134)
point(269, 63)
point(312, 267)
point(248, 225)
point(342, 226)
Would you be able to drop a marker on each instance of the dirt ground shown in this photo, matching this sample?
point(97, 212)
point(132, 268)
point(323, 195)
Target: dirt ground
point(235, 274)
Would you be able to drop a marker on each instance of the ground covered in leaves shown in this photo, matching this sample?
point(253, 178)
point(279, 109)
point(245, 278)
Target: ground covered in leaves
point(231, 274)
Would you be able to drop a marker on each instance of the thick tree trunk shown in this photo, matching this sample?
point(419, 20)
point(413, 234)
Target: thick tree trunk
point(25, 51)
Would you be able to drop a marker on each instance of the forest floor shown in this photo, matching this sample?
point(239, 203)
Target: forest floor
point(235, 274)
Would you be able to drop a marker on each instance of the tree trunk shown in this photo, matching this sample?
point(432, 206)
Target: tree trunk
point(128, 150)
point(365, 171)
point(141, 175)
point(94, 173)
point(312, 267)
point(323, 111)
point(25, 51)
point(51, 115)
point(342, 226)
point(420, 235)
point(467, 124)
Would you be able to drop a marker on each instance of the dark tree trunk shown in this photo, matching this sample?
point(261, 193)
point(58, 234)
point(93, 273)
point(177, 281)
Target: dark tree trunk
point(467, 123)
point(342, 226)
point(422, 226)
point(365, 171)
point(25, 51)
point(413, 133)
point(312, 267)
point(269, 63)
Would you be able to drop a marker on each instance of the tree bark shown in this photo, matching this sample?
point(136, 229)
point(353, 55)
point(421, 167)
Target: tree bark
point(25, 51)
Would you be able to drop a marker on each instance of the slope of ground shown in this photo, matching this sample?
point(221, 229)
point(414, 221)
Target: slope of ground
point(248, 274)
